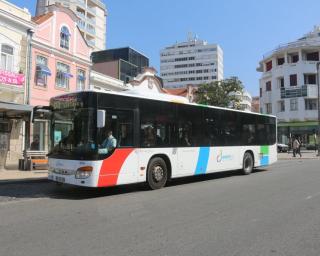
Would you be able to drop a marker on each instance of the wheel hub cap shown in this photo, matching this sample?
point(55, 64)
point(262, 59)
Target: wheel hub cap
point(157, 173)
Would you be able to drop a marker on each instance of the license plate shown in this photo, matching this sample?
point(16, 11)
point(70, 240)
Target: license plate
point(59, 179)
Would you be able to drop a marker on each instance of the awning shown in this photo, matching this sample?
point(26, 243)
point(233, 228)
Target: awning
point(66, 75)
point(81, 77)
point(44, 70)
point(13, 110)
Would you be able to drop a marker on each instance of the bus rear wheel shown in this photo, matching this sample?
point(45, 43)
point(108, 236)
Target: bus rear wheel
point(247, 164)
point(157, 173)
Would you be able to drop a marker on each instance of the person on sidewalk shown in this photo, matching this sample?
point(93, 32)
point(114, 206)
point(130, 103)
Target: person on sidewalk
point(295, 146)
point(299, 147)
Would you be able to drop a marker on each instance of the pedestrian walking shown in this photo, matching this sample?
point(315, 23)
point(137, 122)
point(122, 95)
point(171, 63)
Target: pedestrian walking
point(299, 147)
point(295, 146)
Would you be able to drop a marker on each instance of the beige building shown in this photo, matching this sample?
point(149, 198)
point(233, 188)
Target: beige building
point(92, 18)
point(16, 30)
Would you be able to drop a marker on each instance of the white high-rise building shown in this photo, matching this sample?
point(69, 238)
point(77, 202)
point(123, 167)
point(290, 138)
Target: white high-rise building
point(92, 18)
point(288, 87)
point(192, 62)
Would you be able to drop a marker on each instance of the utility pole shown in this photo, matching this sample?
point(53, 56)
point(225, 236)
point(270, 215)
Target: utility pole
point(318, 99)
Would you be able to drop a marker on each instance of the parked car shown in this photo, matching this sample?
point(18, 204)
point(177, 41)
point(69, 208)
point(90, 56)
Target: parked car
point(282, 148)
point(311, 147)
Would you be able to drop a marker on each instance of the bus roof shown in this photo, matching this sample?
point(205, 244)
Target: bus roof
point(161, 97)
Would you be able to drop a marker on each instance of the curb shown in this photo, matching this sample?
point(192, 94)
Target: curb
point(24, 181)
point(299, 158)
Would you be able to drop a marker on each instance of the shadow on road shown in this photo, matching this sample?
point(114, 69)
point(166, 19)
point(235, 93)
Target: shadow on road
point(48, 189)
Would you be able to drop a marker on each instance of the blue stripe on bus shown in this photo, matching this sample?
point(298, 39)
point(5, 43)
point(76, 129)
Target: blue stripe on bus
point(202, 160)
point(264, 160)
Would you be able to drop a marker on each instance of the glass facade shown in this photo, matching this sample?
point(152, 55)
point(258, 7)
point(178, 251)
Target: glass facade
point(131, 62)
point(305, 130)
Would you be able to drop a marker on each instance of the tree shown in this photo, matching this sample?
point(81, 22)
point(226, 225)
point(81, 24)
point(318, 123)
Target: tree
point(224, 93)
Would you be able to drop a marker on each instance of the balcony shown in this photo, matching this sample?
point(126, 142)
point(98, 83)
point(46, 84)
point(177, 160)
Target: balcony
point(312, 91)
point(294, 92)
point(81, 3)
point(92, 43)
point(81, 24)
point(81, 15)
point(91, 21)
point(91, 10)
point(308, 91)
point(91, 29)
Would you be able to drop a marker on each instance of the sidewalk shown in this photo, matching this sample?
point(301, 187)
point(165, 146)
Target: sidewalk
point(306, 154)
point(12, 176)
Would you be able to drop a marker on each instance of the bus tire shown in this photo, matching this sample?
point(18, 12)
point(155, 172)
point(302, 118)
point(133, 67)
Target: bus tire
point(247, 164)
point(157, 173)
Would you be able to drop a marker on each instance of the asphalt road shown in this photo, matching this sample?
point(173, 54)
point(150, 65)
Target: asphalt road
point(275, 211)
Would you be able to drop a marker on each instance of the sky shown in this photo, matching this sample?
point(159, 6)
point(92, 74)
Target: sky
point(245, 29)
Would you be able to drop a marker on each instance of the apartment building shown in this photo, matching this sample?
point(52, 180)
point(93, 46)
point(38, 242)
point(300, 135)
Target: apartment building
point(16, 30)
point(191, 62)
point(91, 18)
point(288, 87)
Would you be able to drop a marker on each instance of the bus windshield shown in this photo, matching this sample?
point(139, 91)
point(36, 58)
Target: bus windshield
point(73, 132)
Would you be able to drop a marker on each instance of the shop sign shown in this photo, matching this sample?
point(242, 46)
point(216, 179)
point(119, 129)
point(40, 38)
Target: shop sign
point(7, 77)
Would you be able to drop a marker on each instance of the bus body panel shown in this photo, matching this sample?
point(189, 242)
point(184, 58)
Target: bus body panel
point(63, 171)
point(126, 166)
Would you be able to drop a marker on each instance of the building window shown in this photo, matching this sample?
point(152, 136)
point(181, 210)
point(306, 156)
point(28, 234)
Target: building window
point(281, 106)
point(64, 38)
point(63, 75)
point(293, 80)
point(269, 65)
point(268, 86)
point(313, 56)
point(81, 80)
point(6, 57)
point(280, 81)
point(269, 108)
point(294, 58)
point(293, 104)
point(42, 71)
point(310, 104)
point(310, 79)
point(280, 61)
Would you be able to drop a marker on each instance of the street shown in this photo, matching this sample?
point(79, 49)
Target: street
point(274, 211)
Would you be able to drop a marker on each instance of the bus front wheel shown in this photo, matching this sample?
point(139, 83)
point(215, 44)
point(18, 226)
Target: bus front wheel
point(157, 174)
point(247, 164)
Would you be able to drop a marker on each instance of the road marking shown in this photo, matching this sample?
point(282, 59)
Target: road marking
point(312, 196)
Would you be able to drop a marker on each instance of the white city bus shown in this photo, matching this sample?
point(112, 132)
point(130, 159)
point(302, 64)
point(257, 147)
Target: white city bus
point(153, 140)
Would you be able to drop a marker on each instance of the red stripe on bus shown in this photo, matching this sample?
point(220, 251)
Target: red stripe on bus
point(111, 167)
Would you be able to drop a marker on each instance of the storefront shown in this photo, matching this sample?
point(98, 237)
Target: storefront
point(305, 130)
point(13, 118)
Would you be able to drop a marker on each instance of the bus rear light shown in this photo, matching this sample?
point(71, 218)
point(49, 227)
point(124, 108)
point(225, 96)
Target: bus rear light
point(83, 172)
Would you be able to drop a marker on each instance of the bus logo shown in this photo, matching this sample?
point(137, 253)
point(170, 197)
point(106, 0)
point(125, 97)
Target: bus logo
point(222, 158)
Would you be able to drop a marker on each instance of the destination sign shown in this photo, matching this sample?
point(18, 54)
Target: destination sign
point(67, 102)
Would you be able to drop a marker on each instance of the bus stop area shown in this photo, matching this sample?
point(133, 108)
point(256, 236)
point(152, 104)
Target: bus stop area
point(12, 175)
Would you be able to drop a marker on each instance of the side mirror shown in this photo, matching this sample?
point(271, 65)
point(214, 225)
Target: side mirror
point(101, 118)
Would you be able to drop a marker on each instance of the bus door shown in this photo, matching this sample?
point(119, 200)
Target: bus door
point(189, 134)
point(186, 151)
point(120, 122)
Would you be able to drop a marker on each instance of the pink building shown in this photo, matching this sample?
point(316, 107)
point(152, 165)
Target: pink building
point(60, 63)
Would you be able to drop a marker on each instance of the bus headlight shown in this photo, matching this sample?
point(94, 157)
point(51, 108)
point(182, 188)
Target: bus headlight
point(84, 172)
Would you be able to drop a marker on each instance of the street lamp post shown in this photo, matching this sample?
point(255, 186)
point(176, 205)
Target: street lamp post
point(318, 99)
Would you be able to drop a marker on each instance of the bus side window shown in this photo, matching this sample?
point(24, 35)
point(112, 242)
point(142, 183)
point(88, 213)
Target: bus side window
point(157, 124)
